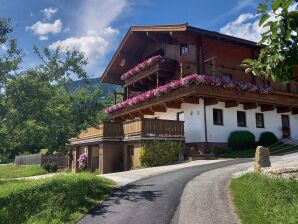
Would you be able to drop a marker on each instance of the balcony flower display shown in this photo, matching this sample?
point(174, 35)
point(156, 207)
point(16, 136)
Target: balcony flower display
point(195, 79)
point(141, 66)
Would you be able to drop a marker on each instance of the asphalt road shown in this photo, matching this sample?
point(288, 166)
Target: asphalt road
point(156, 200)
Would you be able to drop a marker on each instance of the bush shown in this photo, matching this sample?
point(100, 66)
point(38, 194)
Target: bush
point(267, 138)
point(50, 167)
point(220, 150)
point(240, 140)
point(157, 153)
point(60, 199)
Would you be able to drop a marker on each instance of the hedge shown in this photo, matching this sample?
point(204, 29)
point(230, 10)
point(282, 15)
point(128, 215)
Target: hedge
point(268, 138)
point(157, 153)
point(240, 140)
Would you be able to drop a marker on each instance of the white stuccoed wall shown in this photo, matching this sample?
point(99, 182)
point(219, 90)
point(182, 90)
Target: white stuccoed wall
point(194, 122)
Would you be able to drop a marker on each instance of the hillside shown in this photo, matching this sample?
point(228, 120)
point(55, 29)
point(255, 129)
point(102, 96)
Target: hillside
point(93, 84)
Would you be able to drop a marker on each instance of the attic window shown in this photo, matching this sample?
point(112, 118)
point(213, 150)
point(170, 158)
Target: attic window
point(184, 49)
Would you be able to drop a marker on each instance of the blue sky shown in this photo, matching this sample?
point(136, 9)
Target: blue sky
point(97, 26)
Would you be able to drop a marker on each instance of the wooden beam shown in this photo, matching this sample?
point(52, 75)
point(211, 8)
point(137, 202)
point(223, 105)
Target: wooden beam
point(294, 111)
point(250, 106)
point(160, 108)
point(231, 103)
point(191, 99)
point(211, 101)
point(173, 104)
point(283, 109)
point(266, 107)
point(137, 114)
point(147, 112)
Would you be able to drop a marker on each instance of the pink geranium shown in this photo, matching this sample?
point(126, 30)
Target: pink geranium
point(140, 67)
point(195, 79)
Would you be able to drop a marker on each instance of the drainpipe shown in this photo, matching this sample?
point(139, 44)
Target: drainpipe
point(205, 127)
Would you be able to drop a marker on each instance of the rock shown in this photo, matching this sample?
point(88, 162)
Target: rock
point(262, 158)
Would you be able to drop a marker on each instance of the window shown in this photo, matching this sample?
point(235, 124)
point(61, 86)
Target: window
point(241, 119)
point(217, 117)
point(227, 77)
point(180, 116)
point(184, 49)
point(260, 120)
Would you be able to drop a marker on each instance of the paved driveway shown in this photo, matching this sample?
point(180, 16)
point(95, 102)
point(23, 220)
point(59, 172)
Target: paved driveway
point(150, 200)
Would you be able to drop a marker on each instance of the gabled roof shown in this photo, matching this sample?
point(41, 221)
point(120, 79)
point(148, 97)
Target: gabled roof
point(171, 28)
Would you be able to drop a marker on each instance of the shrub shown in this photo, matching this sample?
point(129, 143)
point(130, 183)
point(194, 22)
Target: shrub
point(240, 140)
point(44, 151)
point(220, 150)
point(267, 138)
point(50, 167)
point(60, 199)
point(157, 153)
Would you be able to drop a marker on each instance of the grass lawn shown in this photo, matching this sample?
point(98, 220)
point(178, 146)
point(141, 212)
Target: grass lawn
point(12, 171)
point(60, 199)
point(261, 200)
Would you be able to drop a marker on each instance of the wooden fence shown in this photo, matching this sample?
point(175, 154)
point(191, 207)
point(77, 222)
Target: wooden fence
point(38, 159)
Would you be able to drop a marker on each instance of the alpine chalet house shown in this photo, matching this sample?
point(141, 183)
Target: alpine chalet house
point(185, 84)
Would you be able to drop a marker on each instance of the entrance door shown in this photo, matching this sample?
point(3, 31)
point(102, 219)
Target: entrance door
point(129, 157)
point(285, 122)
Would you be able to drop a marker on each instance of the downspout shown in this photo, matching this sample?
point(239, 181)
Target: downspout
point(205, 127)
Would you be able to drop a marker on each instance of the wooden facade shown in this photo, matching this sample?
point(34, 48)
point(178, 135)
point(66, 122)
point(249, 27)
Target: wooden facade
point(185, 50)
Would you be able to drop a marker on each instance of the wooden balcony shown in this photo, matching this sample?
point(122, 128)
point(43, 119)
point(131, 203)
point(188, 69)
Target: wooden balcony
point(104, 130)
point(212, 95)
point(162, 69)
point(151, 128)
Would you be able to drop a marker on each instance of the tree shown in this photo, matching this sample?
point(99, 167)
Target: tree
point(44, 113)
point(279, 44)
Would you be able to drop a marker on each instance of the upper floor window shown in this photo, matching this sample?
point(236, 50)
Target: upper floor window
point(241, 118)
point(217, 117)
point(184, 49)
point(227, 77)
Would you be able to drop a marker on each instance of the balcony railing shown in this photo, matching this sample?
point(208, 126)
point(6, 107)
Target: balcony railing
point(153, 128)
point(104, 130)
point(164, 66)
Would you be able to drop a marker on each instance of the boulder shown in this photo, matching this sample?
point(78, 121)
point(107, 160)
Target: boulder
point(262, 158)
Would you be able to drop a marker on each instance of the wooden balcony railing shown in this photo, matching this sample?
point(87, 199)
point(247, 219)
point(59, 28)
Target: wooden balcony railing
point(104, 130)
point(153, 128)
point(165, 66)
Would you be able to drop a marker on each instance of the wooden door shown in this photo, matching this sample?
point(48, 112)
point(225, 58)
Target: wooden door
point(285, 122)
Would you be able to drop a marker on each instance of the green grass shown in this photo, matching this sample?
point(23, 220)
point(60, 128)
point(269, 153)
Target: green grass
point(63, 198)
point(264, 200)
point(13, 171)
point(249, 153)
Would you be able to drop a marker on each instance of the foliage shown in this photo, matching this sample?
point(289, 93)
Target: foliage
point(59, 199)
point(157, 153)
point(37, 108)
point(220, 150)
point(50, 167)
point(268, 138)
point(13, 171)
point(279, 55)
point(240, 140)
point(44, 151)
point(261, 200)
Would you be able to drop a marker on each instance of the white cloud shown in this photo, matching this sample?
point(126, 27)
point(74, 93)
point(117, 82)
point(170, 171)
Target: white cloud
point(49, 12)
point(246, 26)
point(93, 33)
point(43, 29)
point(94, 47)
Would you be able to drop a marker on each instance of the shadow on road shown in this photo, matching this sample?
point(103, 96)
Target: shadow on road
point(131, 192)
